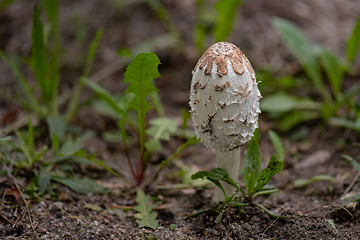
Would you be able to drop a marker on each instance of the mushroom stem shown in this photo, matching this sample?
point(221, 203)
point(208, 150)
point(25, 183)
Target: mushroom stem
point(230, 162)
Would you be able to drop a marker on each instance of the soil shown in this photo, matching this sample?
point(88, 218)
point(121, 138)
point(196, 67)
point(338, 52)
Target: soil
point(314, 211)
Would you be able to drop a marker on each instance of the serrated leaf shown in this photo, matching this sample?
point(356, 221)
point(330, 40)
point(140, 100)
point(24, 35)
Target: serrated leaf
point(160, 130)
point(82, 186)
point(252, 165)
point(145, 216)
point(139, 74)
point(273, 167)
point(277, 143)
point(353, 43)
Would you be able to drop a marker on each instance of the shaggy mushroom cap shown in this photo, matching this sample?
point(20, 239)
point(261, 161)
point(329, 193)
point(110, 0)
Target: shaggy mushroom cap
point(224, 98)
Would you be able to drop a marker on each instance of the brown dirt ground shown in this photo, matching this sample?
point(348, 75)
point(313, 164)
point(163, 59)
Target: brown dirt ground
point(312, 212)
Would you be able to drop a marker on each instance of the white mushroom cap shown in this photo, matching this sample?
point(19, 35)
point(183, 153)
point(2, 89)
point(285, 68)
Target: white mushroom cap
point(224, 97)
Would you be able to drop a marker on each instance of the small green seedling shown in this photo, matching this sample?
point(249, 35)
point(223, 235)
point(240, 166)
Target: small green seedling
point(255, 179)
point(139, 98)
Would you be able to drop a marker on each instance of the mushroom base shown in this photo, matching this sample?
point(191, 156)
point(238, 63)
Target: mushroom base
point(230, 162)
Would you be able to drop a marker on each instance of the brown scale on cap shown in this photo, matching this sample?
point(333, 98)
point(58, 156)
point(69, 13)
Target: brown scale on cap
point(220, 53)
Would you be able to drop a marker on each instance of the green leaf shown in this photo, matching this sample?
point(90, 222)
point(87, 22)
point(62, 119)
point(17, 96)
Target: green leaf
point(161, 130)
point(353, 43)
point(156, 102)
point(57, 128)
point(346, 123)
point(277, 143)
point(43, 182)
point(219, 217)
point(353, 162)
point(282, 102)
point(6, 139)
point(215, 176)
point(302, 182)
point(252, 166)
point(139, 74)
point(304, 51)
point(145, 217)
point(226, 12)
point(271, 214)
point(333, 70)
point(124, 52)
point(82, 186)
point(296, 117)
point(94, 207)
point(273, 167)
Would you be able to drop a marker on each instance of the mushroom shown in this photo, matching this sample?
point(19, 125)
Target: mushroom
point(224, 102)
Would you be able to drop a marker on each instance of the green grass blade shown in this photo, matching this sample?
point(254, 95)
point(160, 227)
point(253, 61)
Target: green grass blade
point(296, 117)
point(89, 61)
point(226, 12)
point(52, 41)
point(278, 145)
point(353, 162)
point(346, 123)
point(304, 51)
point(31, 101)
point(39, 55)
point(200, 30)
point(271, 214)
point(353, 43)
point(302, 182)
point(334, 71)
point(283, 102)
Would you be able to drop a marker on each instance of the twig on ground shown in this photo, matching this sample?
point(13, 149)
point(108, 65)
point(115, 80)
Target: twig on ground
point(6, 219)
point(350, 186)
